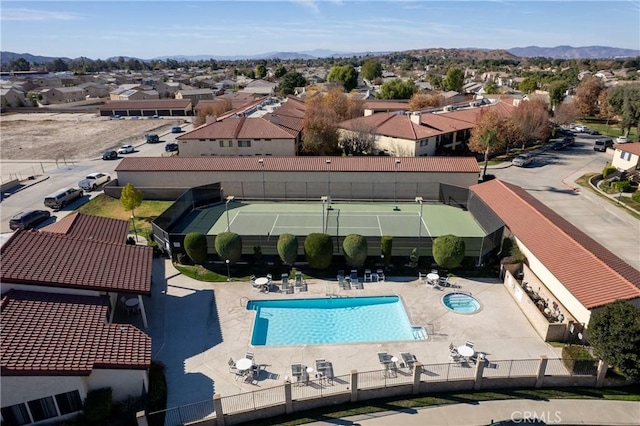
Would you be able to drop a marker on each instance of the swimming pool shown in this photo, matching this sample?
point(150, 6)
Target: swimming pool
point(461, 303)
point(331, 320)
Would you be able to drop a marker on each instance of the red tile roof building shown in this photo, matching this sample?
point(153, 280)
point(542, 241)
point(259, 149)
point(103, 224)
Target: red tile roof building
point(590, 272)
point(88, 227)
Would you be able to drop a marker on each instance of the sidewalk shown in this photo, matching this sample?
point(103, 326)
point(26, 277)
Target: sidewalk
point(24, 184)
point(508, 412)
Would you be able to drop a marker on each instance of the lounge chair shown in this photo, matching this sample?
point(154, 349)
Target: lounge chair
point(354, 275)
point(298, 279)
point(380, 273)
point(408, 359)
point(340, 274)
point(367, 275)
point(358, 284)
point(344, 284)
point(304, 287)
point(284, 285)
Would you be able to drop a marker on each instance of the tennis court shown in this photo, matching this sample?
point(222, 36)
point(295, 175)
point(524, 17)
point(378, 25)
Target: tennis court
point(367, 219)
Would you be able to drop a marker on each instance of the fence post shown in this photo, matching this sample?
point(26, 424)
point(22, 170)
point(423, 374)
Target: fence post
point(354, 385)
point(417, 372)
point(602, 372)
point(542, 367)
point(217, 405)
point(288, 400)
point(477, 384)
point(141, 419)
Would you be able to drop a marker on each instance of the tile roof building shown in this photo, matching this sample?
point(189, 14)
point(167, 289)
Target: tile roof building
point(581, 273)
point(59, 347)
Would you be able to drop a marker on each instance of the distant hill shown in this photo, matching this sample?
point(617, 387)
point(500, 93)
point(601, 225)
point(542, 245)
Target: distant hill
point(569, 52)
point(467, 53)
point(6, 57)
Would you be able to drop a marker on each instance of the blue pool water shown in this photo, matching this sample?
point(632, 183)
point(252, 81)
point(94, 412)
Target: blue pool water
point(331, 320)
point(461, 303)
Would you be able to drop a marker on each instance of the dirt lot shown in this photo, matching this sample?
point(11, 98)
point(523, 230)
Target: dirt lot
point(58, 136)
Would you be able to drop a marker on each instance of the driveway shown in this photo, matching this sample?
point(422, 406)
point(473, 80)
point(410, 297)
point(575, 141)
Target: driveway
point(551, 179)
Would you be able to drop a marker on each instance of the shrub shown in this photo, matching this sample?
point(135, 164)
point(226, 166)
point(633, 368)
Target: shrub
point(318, 249)
point(577, 359)
point(622, 186)
point(448, 251)
point(97, 406)
point(131, 241)
point(608, 169)
point(636, 196)
point(229, 246)
point(414, 258)
point(386, 246)
point(195, 244)
point(183, 259)
point(288, 248)
point(355, 249)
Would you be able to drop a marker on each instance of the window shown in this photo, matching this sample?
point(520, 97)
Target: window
point(244, 144)
point(69, 402)
point(226, 144)
point(43, 408)
point(625, 155)
point(16, 414)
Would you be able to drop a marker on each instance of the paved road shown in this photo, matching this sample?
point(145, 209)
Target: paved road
point(551, 179)
point(511, 412)
point(62, 175)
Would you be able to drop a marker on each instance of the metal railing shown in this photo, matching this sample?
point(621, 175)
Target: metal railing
point(376, 379)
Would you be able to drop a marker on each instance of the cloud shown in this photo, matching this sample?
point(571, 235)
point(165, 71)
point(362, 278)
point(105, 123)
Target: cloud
point(310, 4)
point(20, 14)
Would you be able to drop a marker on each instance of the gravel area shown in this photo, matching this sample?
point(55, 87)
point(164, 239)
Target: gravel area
point(57, 136)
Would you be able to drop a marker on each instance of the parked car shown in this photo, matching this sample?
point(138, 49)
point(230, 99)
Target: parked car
point(152, 138)
point(602, 145)
point(110, 155)
point(126, 149)
point(558, 146)
point(622, 139)
point(61, 198)
point(593, 132)
point(522, 160)
point(116, 117)
point(581, 129)
point(569, 140)
point(171, 147)
point(176, 129)
point(28, 219)
point(94, 180)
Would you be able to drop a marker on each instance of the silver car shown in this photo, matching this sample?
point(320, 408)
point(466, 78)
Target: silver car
point(522, 160)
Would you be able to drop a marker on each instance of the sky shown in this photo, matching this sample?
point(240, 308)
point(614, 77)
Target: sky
point(149, 29)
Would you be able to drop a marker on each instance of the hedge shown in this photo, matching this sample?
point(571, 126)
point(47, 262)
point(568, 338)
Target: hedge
point(97, 406)
point(355, 249)
point(229, 246)
point(448, 251)
point(288, 248)
point(318, 249)
point(386, 244)
point(195, 244)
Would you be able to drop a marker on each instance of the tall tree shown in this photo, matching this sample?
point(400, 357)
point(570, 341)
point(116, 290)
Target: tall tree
point(625, 101)
point(280, 71)
point(557, 92)
point(454, 80)
point(345, 75)
point(565, 113)
point(397, 89)
point(529, 121)
point(19, 64)
point(485, 135)
point(528, 85)
point(260, 71)
point(320, 127)
point(586, 97)
point(290, 81)
point(371, 69)
point(221, 106)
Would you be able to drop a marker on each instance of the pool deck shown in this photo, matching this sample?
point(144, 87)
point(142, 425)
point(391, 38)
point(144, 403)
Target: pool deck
point(196, 327)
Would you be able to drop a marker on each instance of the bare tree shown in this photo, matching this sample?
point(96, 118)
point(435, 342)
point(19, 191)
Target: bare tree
point(360, 140)
point(423, 101)
point(400, 150)
point(566, 113)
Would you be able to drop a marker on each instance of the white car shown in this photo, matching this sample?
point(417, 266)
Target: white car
point(522, 160)
point(581, 129)
point(93, 181)
point(622, 139)
point(126, 149)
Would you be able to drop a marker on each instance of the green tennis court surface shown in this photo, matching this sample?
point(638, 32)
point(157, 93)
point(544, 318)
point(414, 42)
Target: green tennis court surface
point(367, 219)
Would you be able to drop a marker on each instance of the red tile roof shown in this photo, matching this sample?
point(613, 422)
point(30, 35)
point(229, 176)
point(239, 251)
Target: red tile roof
point(390, 124)
point(88, 227)
point(43, 258)
point(302, 164)
point(147, 104)
point(633, 148)
point(386, 105)
point(593, 274)
point(239, 128)
point(62, 334)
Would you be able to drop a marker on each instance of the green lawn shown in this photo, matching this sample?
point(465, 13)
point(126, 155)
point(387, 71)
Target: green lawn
point(612, 130)
point(106, 206)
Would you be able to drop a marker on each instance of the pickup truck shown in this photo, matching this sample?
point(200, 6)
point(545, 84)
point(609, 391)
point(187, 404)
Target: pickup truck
point(94, 180)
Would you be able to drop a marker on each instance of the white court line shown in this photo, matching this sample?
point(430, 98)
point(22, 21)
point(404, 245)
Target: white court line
point(355, 214)
point(379, 224)
point(274, 225)
point(232, 220)
point(426, 227)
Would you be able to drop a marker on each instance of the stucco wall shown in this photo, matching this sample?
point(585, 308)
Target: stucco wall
point(277, 147)
point(124, 383)
point(621, 164)
point(17, 389)
point(307, 185)
point(564, 296)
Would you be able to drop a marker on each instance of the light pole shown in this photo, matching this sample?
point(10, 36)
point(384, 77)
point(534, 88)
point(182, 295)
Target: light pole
point(328, 161)
point(226, 209)
point(382, 259)
point(135, 231)
point(228, 273)
point(395, 187)
point(324, 200)
point(264, 194)
point(419, 200)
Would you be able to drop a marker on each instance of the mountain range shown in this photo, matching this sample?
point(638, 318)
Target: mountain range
point(558, 52)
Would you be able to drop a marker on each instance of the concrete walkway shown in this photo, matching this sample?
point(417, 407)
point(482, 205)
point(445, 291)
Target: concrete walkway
point(508, 412)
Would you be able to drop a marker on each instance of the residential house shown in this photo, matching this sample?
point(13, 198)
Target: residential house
point(62, 95)
point(95, 90)
point(260, 87)
point(626, 156)
point(12, 97)
point(196, 95)
point(61, 287)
